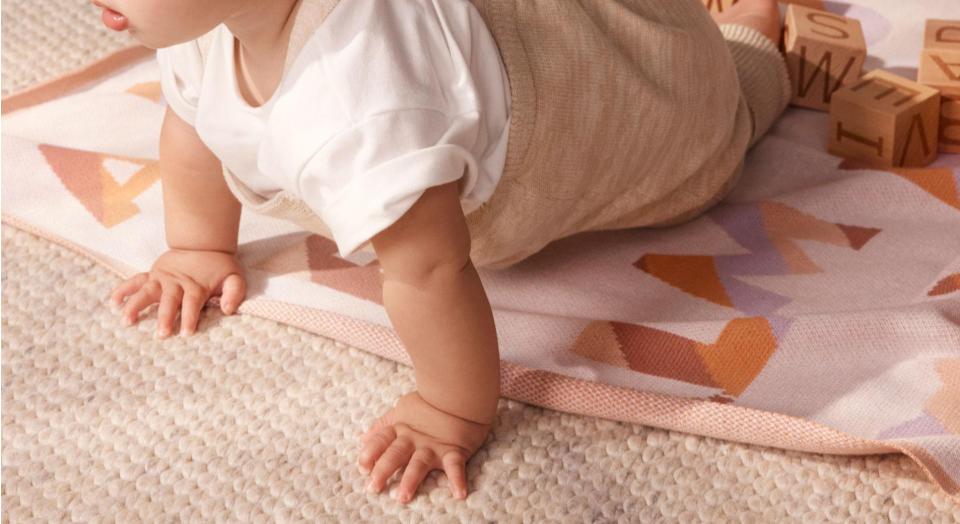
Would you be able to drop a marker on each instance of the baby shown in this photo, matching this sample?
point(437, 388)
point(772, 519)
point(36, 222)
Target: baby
point(444, 135)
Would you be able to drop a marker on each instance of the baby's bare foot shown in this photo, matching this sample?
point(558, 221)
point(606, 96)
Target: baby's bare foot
point(762, 15)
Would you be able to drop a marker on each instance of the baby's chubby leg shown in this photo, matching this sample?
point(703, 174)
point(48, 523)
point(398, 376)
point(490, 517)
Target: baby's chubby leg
point(762, 15)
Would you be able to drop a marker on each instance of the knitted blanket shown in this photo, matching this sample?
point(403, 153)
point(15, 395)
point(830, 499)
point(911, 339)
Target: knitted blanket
point(817, 308)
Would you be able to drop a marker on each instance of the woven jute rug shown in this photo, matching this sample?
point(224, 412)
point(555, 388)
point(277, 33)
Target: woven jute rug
point(251, 420)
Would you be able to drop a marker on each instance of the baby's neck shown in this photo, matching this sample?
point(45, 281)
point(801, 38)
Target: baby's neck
point(263, 30)
point(260, 47)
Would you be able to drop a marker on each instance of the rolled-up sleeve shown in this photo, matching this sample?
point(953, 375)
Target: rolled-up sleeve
point(181, 71)
point(365, 178)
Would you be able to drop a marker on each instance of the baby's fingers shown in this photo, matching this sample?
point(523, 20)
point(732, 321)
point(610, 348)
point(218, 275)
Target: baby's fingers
point(148, 294)
point(454, 465)
point(234, 290)
point(127, 287)
point(167, 311)
point(420, 464)
point(194, 297)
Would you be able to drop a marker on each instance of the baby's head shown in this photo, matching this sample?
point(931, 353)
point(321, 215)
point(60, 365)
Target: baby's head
point(162, 23)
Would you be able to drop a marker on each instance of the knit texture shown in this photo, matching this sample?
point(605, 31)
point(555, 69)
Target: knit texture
point(763, 75)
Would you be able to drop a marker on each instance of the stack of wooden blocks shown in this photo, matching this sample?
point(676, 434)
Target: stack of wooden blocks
point(879, 118)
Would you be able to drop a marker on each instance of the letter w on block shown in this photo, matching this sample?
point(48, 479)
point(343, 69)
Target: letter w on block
point(824, 52)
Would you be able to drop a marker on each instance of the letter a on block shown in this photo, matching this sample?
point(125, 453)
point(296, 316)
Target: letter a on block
point(885, 120)
point(824, 52)
point(940, 69)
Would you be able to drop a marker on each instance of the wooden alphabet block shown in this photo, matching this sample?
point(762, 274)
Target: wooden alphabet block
point(824, 51)
point(885, 120)
point(717, 6)
point(940, 68)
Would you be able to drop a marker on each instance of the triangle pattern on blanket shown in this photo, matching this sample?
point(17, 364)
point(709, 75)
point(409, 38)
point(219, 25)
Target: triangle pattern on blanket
point(769, 230)
point(314, 258)
point(149, 90)
point(941, 182)
point(731, 362)
point(87, 177)
point(947, 284)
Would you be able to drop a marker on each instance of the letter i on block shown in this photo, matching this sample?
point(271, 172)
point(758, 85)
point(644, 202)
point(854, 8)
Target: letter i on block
point(940, 68)
point(885, 120)
point(824, 52)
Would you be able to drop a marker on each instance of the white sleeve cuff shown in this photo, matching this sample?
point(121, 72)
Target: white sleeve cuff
point(380, 197)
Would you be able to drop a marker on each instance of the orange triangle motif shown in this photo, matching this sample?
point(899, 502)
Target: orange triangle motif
point(740, 353)
point(732, 362)
point(938, 181)
point(598, 342)
point(694, 274)
point(148, 90)
point(83, 174)
point(948, 284)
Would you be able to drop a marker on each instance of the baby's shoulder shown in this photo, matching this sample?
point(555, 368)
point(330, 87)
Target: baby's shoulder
point(205, 42)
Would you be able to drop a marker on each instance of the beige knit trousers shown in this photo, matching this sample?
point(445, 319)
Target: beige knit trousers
point(763, 75)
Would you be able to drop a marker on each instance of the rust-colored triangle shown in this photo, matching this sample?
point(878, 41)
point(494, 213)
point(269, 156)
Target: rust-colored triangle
point(948, 284)
point(857, 235)
point(694, 274)
point(732, 362)
point(663, 354)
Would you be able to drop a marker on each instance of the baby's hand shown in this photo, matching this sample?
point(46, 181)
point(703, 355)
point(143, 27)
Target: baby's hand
point(423, 438)
point(182, 276)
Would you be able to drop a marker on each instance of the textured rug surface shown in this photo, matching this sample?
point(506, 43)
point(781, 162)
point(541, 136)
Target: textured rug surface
point(252, 417)
point(250, 420)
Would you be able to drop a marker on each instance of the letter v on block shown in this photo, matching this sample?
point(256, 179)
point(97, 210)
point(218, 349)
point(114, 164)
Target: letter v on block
point(885, 120)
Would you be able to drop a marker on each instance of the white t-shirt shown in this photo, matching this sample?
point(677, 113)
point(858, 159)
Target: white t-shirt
point(386, 99)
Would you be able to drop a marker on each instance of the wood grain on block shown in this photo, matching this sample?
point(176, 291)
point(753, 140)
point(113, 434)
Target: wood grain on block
point(885, 120)
point(940, 68)
point(824, 52)
point(718, 6)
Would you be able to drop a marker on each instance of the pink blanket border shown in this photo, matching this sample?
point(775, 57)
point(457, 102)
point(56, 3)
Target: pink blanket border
point(532, 386)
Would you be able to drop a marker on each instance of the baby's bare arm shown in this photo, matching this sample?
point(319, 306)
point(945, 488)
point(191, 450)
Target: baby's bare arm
point(199, 210)
point(202, 220)
point(437, 304)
